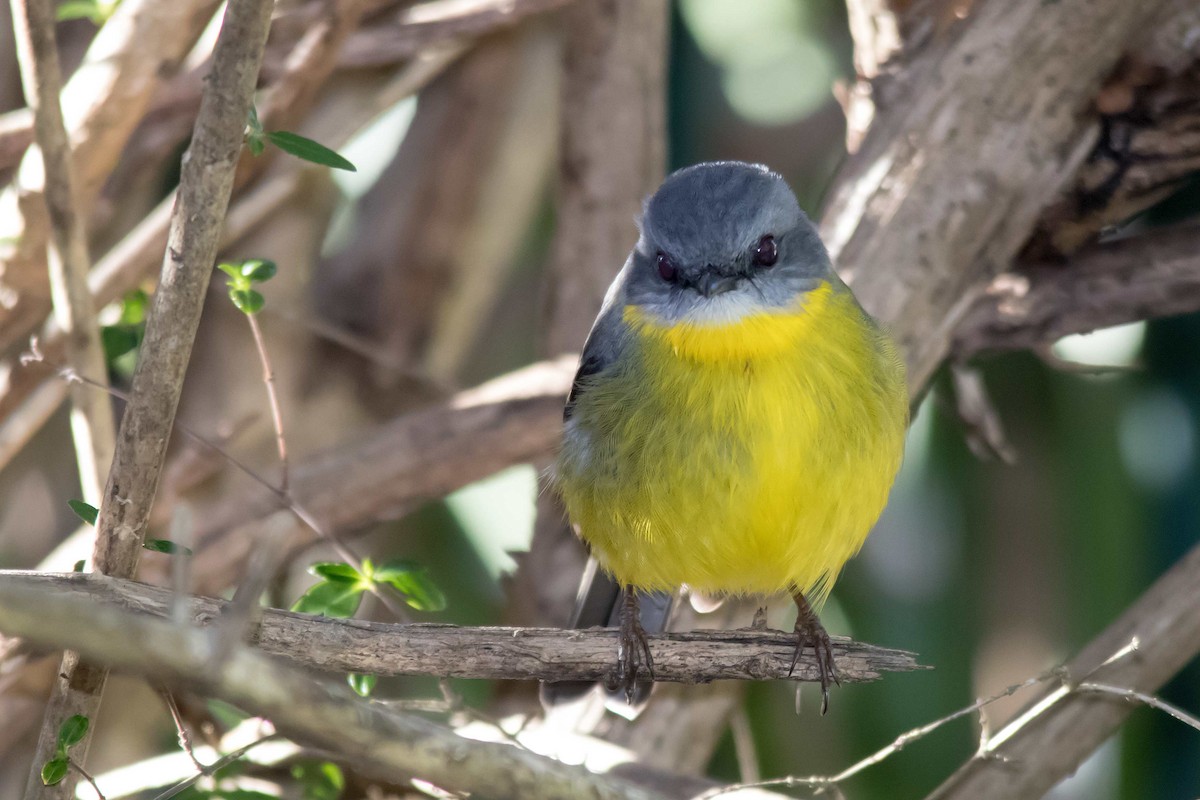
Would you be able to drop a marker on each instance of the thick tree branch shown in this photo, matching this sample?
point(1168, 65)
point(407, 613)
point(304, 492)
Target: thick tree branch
point(1154, 275)
point(544, 654)
point(382, 744)
point(953, 172)
point(1046, 742)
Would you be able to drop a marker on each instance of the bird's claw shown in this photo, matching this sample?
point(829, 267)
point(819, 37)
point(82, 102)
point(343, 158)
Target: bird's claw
point(633, 653)
point(811, 633)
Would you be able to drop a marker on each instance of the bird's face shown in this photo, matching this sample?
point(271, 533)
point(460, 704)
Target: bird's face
point(721, 241)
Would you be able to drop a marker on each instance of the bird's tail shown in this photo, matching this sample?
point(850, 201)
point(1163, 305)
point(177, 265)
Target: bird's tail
point(598, 605)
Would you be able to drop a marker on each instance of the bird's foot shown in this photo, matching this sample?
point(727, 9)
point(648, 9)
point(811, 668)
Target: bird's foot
point(811, 633)
point(633, 649)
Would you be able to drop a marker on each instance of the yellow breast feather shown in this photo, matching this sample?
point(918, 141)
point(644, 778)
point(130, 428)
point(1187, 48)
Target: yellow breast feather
point(744, 458)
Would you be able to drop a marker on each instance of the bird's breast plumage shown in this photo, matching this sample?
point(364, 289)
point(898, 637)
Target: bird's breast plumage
point(749, 457)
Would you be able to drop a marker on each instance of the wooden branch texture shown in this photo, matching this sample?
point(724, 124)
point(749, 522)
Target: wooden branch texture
point(543, 654)
point(953, 172)
point(327, 715)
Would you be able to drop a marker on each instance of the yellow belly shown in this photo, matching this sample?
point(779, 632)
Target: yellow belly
point(749, 458)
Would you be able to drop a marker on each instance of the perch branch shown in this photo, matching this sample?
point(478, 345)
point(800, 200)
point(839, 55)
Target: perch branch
point(382, 744)
point(1052, 736)
point(546, 654)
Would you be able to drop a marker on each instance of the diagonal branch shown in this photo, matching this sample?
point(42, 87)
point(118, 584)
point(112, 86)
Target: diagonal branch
point(382, 744)
point(545, 654)
point(205, 184)
point(1046, 742)
point(1154, 275)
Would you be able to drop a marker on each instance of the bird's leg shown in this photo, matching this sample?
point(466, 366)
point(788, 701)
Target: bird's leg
point(632, 648)
point(811, 633)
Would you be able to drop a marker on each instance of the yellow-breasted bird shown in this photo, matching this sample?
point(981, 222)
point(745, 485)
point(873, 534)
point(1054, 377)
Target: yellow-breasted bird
point(737, 419)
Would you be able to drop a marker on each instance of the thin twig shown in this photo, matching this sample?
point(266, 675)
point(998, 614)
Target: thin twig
point(208, 770)
point(86, 776)
point(344, 551)
point(272, 398)
point(1143, 698)
point(185, 739)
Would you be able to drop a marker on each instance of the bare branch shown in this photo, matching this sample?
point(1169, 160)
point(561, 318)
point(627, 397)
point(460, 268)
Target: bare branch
point(545, 654)
point(412, 29)
point(91, 412)
point(1139, 652)
point(146, 428)
point(382, 744)
point(1154, 275)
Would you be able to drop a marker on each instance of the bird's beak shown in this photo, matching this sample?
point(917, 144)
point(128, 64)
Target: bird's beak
point(711, 284)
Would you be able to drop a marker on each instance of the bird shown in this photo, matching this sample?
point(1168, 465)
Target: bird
point(737, 419)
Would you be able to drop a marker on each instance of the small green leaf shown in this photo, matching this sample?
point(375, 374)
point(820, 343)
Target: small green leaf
point(134, 306)
point(253, 125)
point(413, 581)
point(80, 9)
point(72, 731)
point(255, 142)
point(362, 685)
point(258, 269)
point(307, 149)
point(330, 599)
point(79, 565)
point(335, 572)
point(320, 780)
point(247, 300)
point(119, 340)
point(232, 270)
point(85, 512)
point(54, 770)
point(165, 546)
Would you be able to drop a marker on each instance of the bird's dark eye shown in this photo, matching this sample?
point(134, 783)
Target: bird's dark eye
point(666, 267)
point(766, 252)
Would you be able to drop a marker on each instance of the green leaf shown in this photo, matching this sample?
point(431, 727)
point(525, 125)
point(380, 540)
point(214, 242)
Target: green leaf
point(79, 565)
point(320, 780)
point(232, 270)
point(362, 685)
point(85, 512)
point(258, 269)
point(247, 300)
point(307, 149)
point(330, 599)
point(72, 731)
point(165, 546)
point(336, 572)
point(134, 306)
point(413, 581)
point(255, 142)
point(119, 340)
point(253, 124)
point(80, 9)
point(54, 770)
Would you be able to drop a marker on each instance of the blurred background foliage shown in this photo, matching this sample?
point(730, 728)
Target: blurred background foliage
point(991, 572)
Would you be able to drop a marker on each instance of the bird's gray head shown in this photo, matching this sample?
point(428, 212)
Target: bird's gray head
point(722, 240)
